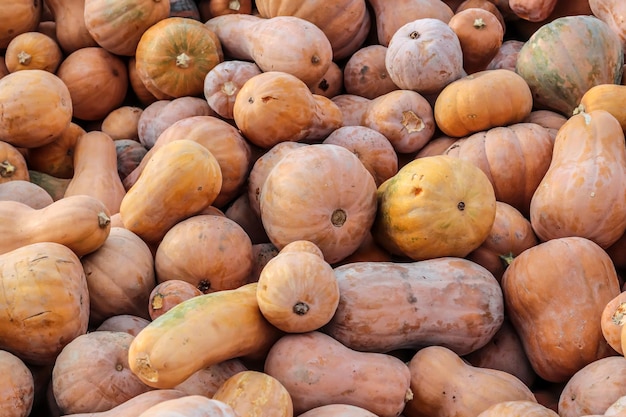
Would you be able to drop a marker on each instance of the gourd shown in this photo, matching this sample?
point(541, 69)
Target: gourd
point(17, 388)
point(33, 50)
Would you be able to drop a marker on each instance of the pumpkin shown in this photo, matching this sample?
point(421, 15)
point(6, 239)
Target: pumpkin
point(525, 28)
point(424, 55)
point(404, 117)
point(372, 148)
point(352, 108)
point(594, 388)
point(518, 407)
point(224, 81)
point(374, 381)
point(506, 57)
point(33, 50)
point(18, 17)
point(211, 8)
point(335, 209)
point(122, 123)
point(274, 107)
point(435, 206)
point(255, 393)
point(129, 155)
point(262, 253)
point(136, 405)
point(17, 387)
point(12, 164)
point(139, 90)
point(33, 325)
point(489, 5)
point(297, 291)
point(337, 410)
point(54, 186)
point(480, 33)
point(612, 320)
point(462, 108)
point(95, 170)
point(365, 73)
point(558, 353)
point(589, 151)
point(611, 12)
point(456, 387)
point(25, 192)
point(174, 55)
point(390, 16)
point(549, 119)
point(37, 108)
point(533, 10)
point(219, 240)
point(174, 346)
point(118, 26)
point(97, 81)
point(108, 269)
point(179, 180)
point(208, 380)
point(551, 65)
point(190, 406)
point(331, 83)
point(70, 29)
point(241, 212)
point(460, 288)
point(168, 294)
point(609, 97)
point(510, 235)
point(84, 362)
point(80, 222)
point(436, 146)
point(57, 157)
point(515, 158)
point(126, 323)
point(304, 52)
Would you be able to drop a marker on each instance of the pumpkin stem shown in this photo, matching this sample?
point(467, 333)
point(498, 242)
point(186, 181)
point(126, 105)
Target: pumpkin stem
point(461, 205)
point(157, 301)
point(507, 259)
point(618, 314)
point(338, 218)
point(315, 59)
point(579, 109)
point(301, 308)
point(479, 23)
point(7, 169)
point(119, 367)
point(234, 5)
point(24, 58)
point(103, 220)
point(412, 122)
point(183, 60)
point(145, 369)
point(229, 88)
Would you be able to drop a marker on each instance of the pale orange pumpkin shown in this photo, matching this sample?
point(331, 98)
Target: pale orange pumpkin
point(33, 50)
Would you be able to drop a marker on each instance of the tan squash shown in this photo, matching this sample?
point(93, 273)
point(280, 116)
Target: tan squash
point(54, 186)
point(168, 294)
point(33, 50)
point(208, 380)
point(533, 10)
point(191, 406)
point(352, 108)
point(224, 81)
point(18, 17)
point(17, 388)
point(80, 222)
point(136, 405)
point(506, 57)
point(331, 83)
point(57, 157)
point(70, 29)
point(122, 123)
point(518, 407)
point(365, 73)
point(337, 410)
point(123, 323)
point(25, 192)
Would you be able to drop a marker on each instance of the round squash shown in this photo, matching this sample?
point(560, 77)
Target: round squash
point(168, 294)
point(18, 17)
point(17, 387)
point(33, 50)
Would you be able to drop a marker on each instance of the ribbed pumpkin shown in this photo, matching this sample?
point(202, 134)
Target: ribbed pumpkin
point(568, 56)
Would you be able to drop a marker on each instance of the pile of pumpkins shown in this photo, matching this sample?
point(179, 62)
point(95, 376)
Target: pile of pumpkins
point(371, 208)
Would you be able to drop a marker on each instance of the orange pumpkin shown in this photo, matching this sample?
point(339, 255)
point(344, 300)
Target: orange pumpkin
point(532, 10)
point(70, 29)
point(12, 164)
point(192, 406)
point(224, 81)
point(25, 192)
point(33, 50)
point(122, 123)
point(612, 321)
point(168, 294)
point(365, 73)
point(352, 108)
point(18, 17)
point(57, 157)
point(609, 97)
point(17, 387)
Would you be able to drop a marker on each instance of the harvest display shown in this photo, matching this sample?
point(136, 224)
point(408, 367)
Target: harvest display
point(339, 208)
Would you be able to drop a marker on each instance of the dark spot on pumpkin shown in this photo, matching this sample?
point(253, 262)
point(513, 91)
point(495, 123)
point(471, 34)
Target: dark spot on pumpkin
point(338, 218)
point(315, 59)
point(323, 85)
point(417, 191)
point(414, 35)
point(204, 286)
point(116, 73)
point(461, 206)
point(300, 308)
point(119, 367)
point(199, 188)
point(267, 98)
point(250, 100)
point(364, 69)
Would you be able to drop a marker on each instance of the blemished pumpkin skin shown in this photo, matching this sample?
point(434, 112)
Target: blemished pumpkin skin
point(25, 192)
point(18, 17)
point(515, 158)
point(190, 406)
point(230, 149)
point(372, 148)
point(255, 393)
point(610, 12)
point(335, 210)
point(589, 151)
point(80, 222)
point(219, 240)
point(305, 52)
point(424, 55)
point(123, 323)
point(84, 363)
point(555, 350)
point(352, 108)
point(117, 27)
point(136, 405)
point(532, 10)
point(57, 157)
point(331, 83)
point(594, 388)
point(365, 73)
point(391, 16)
point(108, 269)
point(559, 82)
point(297, 292)
point(224, 81)
point(179, 180)
point(480, 34)
point(33, 325)
point(337, 410)
point(404, 117)
point(510, 235)
point(518, 407)
point(13, 165)
point(469, 306)
point(17, 387)
point(129, 154)
point(168, 294)
point(33, 50)
point(97, 81)
point(262, 253)
point(122, 123)
point(506, 57)
point(609, 97)
point(456, 387)
point(174, 55)
point(172, 347)
point(37, 108)
point(274, 107)
point(462, 107)
point(340, 378)
point(612, 321)
point(345, 23)
point(95, 170)
point(434, 206)
point(54, 186)
point(70, 29)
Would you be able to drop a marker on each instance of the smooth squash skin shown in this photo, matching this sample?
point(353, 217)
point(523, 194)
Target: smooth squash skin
point(80, 222)
point(199, 332)
point(609, 97)
point(190, 406)
point(446, 301)
point(137, 404)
